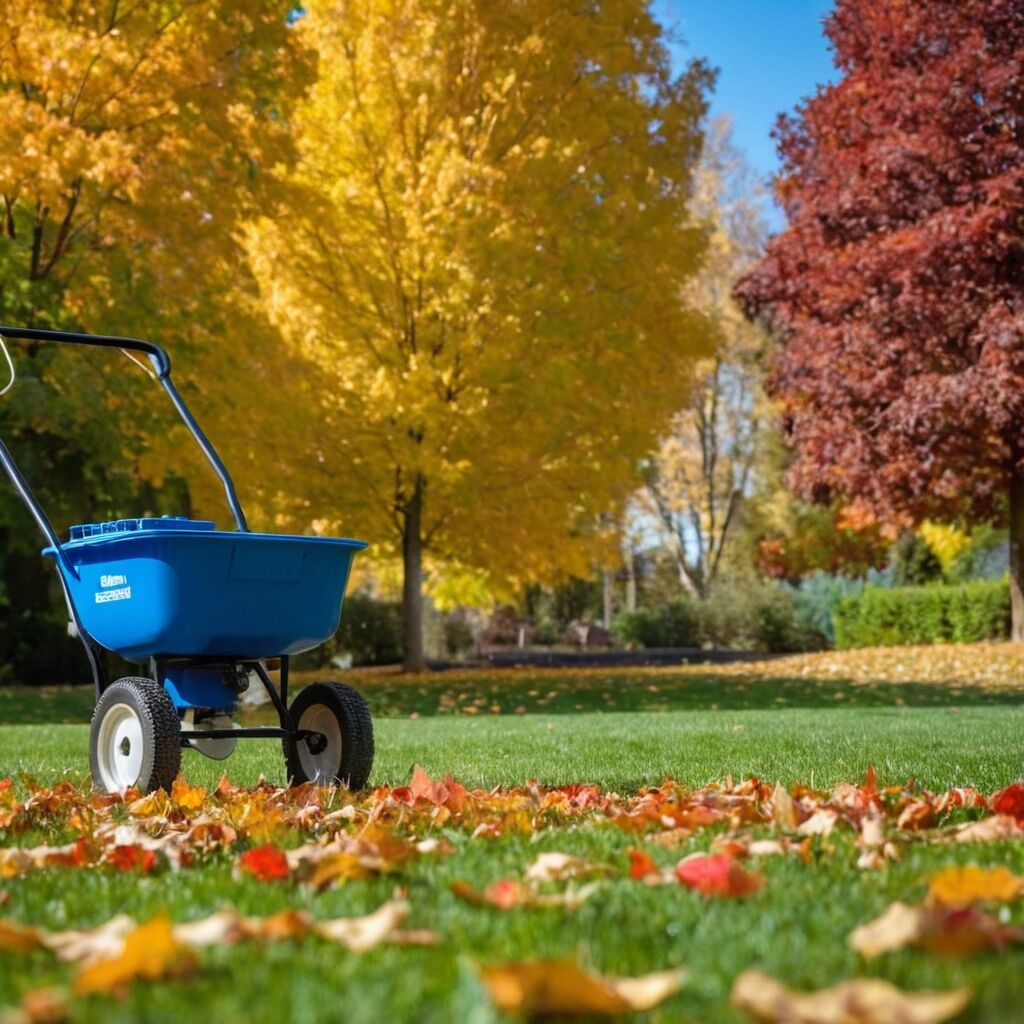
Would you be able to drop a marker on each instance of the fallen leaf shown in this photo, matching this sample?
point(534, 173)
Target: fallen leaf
point(222, 928)
point(423, 788)
point(959, 931)
point(509, 893)
point(783, 809)
point(40, 1006)
point(962, 931)
point(557, 867)
point(898, 927)
point(560, 987)
point(91, 944)
point(190, 798)
point(131, 858)
point(18, 938)
point(717, 874)
point(821, 823)
point(988, 830)
point(1009, 801)
point(150, 952)
point(962, 885)
point(641, 865)
point(860, 1001)
point(359, 934)
point(267, 863)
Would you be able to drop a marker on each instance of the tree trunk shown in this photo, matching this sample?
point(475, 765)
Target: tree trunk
point(630, 581)
point(412, 582)
point(608, 598)
point(1017, 555)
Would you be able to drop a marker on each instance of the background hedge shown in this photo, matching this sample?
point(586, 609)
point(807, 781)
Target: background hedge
point(879, 617)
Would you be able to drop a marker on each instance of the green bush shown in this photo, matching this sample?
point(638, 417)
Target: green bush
point(879, 617)
point(370, 631)
point(641, 628)
point(753, 617)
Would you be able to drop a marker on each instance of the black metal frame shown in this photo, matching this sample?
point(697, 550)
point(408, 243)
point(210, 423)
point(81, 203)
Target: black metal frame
point(161, 362)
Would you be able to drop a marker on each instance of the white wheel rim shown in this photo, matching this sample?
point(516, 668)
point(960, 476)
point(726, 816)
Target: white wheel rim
point(119, 748)
point(321, 767)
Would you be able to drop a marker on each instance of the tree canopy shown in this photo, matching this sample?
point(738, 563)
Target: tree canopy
point(480, 254)
point(898, 286)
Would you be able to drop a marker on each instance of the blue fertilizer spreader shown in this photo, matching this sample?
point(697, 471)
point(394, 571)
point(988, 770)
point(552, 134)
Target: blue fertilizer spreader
point(207, 612)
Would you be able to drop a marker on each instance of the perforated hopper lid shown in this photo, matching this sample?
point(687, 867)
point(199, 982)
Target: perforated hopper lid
point(83, 531)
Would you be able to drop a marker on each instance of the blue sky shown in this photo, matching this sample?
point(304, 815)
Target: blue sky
point(770, 55)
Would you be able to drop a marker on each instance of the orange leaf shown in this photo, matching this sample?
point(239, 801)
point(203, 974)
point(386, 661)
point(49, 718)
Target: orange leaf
point(17, 938)
point(717, 874)
point(559, 987)
point(422, 788)
point(149, 952)
point(267, 863)
point(641, 864)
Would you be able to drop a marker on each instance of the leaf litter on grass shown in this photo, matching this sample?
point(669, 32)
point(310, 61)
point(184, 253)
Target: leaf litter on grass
point(316, 838)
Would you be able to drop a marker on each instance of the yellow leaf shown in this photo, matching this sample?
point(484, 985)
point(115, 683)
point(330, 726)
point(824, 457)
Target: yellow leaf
point(189, 797)
point(150, 952)
point(960, 885)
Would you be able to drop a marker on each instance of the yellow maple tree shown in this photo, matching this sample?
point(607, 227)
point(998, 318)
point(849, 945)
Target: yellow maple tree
point(478, 262)
point(133, 138)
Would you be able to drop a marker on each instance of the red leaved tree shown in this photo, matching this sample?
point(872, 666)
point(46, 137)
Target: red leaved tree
point(898, 287)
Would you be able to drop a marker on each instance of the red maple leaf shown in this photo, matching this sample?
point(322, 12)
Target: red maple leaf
point(132, 857)
point(267, 863)
point(1009, 801)
point(717, 874)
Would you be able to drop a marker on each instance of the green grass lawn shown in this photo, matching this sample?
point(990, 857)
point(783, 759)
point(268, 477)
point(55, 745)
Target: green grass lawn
point(620, 730)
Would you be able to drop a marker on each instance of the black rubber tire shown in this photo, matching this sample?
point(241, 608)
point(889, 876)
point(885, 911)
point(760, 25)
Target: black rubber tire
point(356, 726)
point(161, 732)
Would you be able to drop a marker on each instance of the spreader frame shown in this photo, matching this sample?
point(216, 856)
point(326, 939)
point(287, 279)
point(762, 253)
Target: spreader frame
point(161, 363)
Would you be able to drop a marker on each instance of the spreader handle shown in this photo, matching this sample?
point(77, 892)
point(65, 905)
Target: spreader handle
point(162, 364)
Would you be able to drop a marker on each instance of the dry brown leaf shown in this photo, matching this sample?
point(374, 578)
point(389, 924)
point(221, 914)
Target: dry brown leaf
point(820, 823)
point(860, 1001)
point(557, 867)
point(988, 830)
point(671, 838)
point(91, 944)
point(898, 927)
point(414, 937)
point(40, 1006)
point(150, 952)
point(222, 928)
point(561, 987)
point(359, 934)
point(960, 885)
point(18, 938)
point(783, 809)
point(508, 893)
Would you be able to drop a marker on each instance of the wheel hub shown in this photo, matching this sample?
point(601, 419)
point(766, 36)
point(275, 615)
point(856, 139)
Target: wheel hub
point(120, 748)
point(317, 742)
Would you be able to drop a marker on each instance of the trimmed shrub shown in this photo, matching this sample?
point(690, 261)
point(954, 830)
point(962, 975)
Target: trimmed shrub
point(878, 617)
point(754, 618)
point(642, 628)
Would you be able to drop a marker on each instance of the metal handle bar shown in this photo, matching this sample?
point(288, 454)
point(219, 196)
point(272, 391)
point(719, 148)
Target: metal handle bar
point(162, 364)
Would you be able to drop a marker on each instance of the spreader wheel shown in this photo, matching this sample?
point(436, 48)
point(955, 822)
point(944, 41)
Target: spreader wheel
point(134, 739)
point(341, 747)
